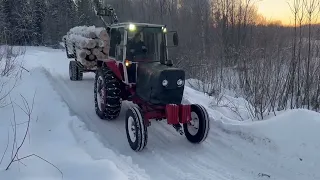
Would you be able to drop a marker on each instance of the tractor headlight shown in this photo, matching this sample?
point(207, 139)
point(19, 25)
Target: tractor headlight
point(180, 82)
point(132, 27)
point(165, 82)
point(164, 30)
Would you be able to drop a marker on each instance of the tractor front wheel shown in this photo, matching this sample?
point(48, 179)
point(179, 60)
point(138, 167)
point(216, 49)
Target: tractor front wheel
point(137, 133)
point(107, 94)
point(197, 130)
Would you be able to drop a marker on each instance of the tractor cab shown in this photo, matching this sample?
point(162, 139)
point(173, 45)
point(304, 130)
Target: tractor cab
point(133, 43)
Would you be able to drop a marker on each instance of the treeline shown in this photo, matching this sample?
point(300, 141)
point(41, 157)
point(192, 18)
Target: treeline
point(41, 22)
point(225, 43)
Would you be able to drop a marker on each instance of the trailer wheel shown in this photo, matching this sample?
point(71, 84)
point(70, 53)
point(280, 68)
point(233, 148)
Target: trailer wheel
point(137, 132)
point(107, 94)
point(197, 130)
point(75, 72)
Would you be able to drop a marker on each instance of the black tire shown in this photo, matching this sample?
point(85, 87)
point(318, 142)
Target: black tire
point(108, 106)
point(135, 120)
point(75, 72)
point(203, 125)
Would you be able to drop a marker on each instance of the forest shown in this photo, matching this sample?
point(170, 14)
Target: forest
point(226, 44)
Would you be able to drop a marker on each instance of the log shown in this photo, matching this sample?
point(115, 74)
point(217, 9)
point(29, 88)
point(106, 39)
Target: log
point(88, 52)
point(89, 43)
point(81, 42)
point(91, 32)
point(105, 50)
point(106, 44)
point(103, 35)
point(90, 64)
point(92, 57)
point(100, 32)
point(96, 51)
point(101, 55)
point(100, 43)
point(83, 31)
point(81, 53)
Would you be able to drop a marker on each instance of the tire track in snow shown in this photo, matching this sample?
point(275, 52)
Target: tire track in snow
point(81, 133)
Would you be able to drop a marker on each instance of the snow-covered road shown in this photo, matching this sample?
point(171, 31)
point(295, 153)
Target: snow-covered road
point(233, 151)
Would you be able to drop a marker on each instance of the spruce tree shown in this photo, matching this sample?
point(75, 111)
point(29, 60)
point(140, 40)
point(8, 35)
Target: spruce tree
point(39, 9)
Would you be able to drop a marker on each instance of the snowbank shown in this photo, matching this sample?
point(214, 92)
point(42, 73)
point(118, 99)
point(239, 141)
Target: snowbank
point(288, 143)
point(227, 108)
point(295, 132)
point(55, 136)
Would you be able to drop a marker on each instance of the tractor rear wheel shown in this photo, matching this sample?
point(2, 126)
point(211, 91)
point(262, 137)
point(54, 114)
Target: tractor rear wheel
point(136, 130)
point(107, 94)
point(75, 72)
point(197, 130)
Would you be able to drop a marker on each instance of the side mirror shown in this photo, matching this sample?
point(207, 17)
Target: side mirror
point(175, 39)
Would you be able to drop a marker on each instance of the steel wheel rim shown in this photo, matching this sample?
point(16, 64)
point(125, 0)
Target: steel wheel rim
point(193, 125)
point(100, 93)
point(131, 129)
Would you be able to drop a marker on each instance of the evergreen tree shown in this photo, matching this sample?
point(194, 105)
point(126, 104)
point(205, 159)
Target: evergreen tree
point(85, 12)
point(2, 22)
point(8, 21)
point(61, 17)
point(39, 9)
point(18, 20)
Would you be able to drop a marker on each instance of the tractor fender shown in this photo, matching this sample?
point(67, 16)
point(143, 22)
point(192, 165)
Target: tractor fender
point(114, 66)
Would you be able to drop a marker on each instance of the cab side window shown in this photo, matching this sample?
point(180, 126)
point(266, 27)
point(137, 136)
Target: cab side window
point(113, 42)
point(112, 51)
point(120, 46)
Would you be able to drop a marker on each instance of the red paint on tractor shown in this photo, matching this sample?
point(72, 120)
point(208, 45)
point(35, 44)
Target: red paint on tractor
point(154, 115)
point(172, 113)
point(149, 111)
point(114, 68)
point(121, 69)
point(185, 113)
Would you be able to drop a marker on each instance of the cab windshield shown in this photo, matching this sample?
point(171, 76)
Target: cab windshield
point(145, 44)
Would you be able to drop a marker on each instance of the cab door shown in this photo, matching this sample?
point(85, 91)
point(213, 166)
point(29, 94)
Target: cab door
point(129, 69)
point(117, 44)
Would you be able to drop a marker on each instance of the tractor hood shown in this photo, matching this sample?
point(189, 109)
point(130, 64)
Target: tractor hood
point(157, 83)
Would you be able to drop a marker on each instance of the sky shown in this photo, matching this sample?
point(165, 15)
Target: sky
point(277, 10)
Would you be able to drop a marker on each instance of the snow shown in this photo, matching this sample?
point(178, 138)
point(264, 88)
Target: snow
point(86, 30)
point(80, 41)
point(66, 132)
point(57, 136)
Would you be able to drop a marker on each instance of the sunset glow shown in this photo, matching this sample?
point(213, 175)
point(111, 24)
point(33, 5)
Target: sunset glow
point(278, 10)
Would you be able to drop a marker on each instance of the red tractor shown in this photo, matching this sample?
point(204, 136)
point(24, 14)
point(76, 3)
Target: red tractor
point(138, 70)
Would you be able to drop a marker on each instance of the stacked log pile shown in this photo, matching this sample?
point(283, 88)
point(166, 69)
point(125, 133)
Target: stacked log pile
point(88, 43)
